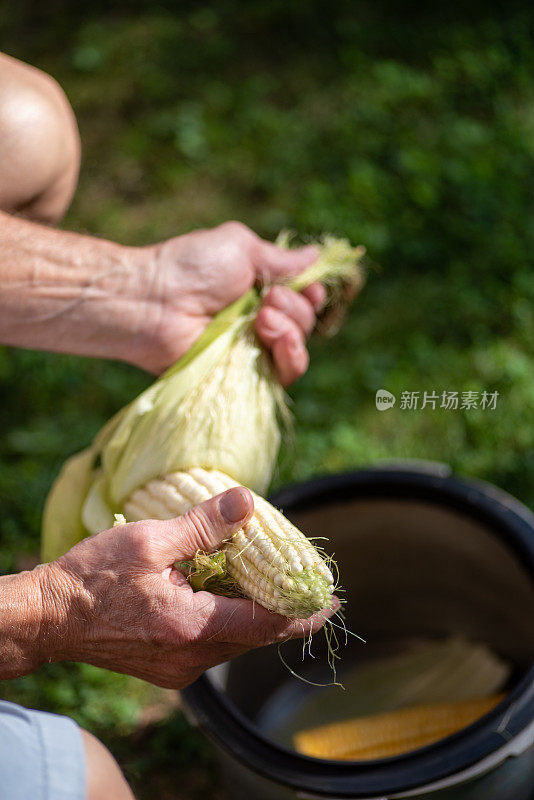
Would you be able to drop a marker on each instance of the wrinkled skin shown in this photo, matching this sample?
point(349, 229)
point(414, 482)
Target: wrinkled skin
point(156, 300)
point(115, 600)
point(192, 277)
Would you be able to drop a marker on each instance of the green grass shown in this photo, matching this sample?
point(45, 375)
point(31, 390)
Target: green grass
point(413, 135)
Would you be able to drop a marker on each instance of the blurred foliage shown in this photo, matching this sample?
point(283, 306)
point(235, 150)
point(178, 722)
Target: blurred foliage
point(410, 132)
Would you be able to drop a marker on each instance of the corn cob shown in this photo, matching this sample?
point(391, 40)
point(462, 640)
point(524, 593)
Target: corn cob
point(391, 733)
point(269, 559)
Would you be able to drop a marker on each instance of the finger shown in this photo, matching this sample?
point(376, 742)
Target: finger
point(286, 342)
point(271, 324)
point(316, 294)
point(205, 527)
point(293, 305)
point(245, 623)
point(270, 261)
point(290, 357)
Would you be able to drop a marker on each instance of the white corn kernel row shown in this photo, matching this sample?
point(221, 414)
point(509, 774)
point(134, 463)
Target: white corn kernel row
point(272, 562)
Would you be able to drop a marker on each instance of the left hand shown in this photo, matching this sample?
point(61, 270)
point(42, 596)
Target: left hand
point(115, 600)
point(186, 280)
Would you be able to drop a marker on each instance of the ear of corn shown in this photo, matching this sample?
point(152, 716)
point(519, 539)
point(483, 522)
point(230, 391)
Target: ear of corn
point(269, 560)
point(389, 734)
point(218, 408)
point(427, 672)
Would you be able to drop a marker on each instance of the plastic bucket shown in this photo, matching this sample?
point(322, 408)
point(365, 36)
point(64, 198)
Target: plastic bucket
point(421, 554)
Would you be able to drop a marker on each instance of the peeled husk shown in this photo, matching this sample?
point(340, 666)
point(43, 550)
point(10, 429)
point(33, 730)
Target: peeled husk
point(219, 407)
point(430, 671)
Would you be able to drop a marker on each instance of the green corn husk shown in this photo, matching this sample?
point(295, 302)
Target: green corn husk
point(219, 407)
point(208, 571)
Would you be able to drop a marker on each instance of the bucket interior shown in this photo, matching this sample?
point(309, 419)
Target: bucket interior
point(412, 571)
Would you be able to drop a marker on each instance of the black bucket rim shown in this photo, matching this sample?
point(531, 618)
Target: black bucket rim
point(233, 732)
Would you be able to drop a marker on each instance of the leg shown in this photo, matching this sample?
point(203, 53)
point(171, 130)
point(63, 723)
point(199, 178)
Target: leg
point(105, 780)
point(48, 755)
point(39, 143)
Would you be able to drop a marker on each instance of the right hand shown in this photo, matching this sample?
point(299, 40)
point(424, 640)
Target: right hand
point(116, 601)
point(174, 289)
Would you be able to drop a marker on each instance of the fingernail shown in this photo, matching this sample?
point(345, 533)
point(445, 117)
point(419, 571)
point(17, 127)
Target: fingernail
point(233, 505)
point(320, 304)
point(270, 319)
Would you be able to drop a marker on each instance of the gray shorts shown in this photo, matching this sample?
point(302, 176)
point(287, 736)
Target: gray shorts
point(42, 756)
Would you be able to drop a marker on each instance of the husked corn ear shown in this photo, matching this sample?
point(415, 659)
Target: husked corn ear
point(269, 559)
point(388, 734)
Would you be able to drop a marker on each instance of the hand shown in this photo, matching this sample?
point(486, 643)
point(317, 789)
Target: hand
point(116, 601)
point(194, 276)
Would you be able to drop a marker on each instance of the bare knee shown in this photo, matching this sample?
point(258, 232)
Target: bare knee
point(39, 143)
point(105, 780)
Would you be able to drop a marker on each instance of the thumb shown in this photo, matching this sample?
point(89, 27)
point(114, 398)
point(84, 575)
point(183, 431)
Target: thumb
point(271, 261)
point(206, 526)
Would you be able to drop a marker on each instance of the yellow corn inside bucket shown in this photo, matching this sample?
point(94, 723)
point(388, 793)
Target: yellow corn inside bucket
point(393, 732)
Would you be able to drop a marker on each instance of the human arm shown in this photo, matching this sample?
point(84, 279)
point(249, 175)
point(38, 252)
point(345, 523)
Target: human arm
point(115, 600)
point(71, 293)
point(68, 292)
